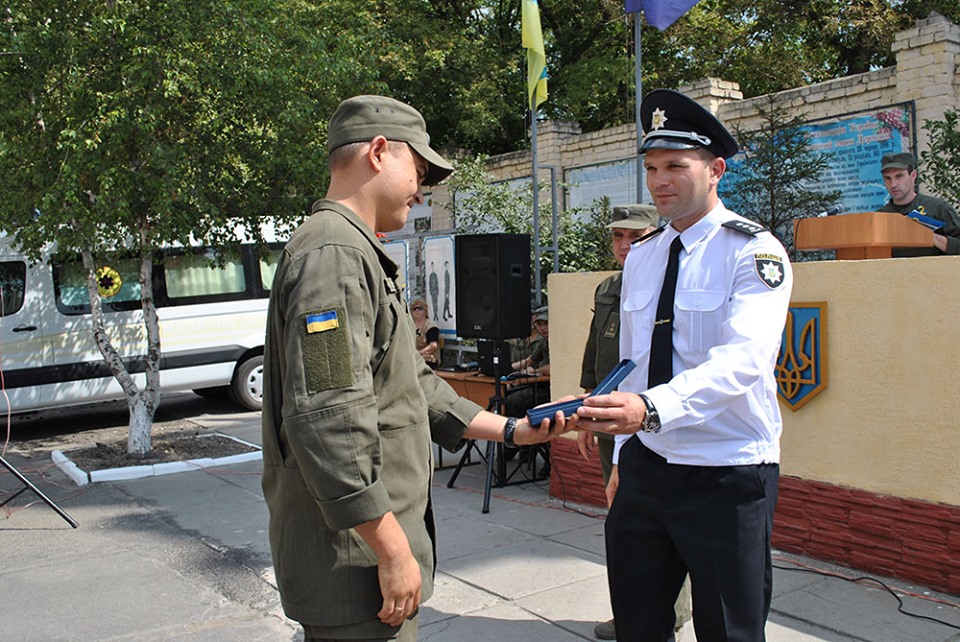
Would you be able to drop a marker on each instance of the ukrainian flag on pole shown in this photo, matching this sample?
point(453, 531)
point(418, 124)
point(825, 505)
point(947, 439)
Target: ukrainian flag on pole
point(532, 40)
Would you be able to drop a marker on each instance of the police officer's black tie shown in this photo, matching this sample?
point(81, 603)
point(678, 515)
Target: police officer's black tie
point(661, 344)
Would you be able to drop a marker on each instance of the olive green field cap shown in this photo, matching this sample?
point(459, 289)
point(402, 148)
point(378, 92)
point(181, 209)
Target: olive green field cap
point(363, 118)
point(634, 217)
point(899, 160)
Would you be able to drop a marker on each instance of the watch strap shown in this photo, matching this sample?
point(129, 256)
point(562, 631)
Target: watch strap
point(508, 429)
point(651, 420)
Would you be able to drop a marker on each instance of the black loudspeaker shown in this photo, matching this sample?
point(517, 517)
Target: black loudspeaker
point(493, 286)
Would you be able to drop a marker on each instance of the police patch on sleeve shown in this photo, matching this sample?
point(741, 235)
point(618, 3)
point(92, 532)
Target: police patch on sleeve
point(770, 269)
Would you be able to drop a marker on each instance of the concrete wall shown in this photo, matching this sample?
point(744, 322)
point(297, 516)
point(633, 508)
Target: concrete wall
point(870, 465)
point(889, 420)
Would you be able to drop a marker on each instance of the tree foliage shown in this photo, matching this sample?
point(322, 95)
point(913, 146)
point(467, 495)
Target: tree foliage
point(941, 162)
point(772, 185)
point(129, 125)
point(461, 63)
point(483, 205)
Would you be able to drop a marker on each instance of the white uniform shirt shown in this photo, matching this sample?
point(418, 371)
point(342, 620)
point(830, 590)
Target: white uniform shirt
point(733, 291)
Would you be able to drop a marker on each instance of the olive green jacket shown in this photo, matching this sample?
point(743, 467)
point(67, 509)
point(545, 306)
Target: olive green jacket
point(934, 208)
point(349, 412)
point(602, 352)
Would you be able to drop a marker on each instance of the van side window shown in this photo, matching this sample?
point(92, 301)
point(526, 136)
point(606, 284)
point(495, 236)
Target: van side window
point(13, 276)
point(70, 286)
point(268, 267)
point(191, 274)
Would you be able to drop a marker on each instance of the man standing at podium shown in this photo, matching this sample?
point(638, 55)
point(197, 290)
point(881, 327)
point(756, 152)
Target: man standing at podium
point(899, 172)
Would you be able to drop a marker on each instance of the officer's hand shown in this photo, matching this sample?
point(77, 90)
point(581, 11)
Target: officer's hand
point(618, 413)
point(585, 443)
point(612, 485)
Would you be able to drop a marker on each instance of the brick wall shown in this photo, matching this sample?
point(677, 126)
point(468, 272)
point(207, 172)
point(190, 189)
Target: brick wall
point(572, 478)
point(907, 539)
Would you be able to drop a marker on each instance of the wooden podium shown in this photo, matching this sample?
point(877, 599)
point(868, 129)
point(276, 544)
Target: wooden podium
point(867, 235)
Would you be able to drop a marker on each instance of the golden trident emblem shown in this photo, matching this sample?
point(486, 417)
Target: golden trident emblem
point(801, 365)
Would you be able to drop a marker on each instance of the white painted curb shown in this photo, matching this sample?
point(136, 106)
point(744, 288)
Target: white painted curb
point(82, 478)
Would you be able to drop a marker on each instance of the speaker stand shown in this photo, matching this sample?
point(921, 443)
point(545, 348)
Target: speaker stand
point(28, 485)
point(494, 454)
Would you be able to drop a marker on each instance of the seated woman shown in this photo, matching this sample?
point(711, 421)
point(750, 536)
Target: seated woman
point(428, 335)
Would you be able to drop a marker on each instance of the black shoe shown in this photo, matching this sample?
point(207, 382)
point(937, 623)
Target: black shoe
point(605, 630)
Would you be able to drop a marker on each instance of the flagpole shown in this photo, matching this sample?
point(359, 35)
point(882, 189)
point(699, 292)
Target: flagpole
point(639, 86)
point(536, 203)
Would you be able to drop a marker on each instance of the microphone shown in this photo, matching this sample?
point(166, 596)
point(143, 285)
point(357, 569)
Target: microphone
point(830, 211)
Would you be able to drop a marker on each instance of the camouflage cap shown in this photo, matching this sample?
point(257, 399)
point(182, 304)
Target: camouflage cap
point(899, 160)
point(634, 217)
point(362, 118)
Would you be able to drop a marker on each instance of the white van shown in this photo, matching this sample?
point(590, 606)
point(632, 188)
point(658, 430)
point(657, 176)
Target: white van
point(212, 326)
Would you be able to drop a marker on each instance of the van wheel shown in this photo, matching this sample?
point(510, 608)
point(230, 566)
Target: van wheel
point(246, 390)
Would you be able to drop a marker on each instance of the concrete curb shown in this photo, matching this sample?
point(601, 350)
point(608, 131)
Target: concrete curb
point(82, 478)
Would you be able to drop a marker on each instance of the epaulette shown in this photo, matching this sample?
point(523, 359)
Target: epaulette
point(745, 227)
point(648, 235)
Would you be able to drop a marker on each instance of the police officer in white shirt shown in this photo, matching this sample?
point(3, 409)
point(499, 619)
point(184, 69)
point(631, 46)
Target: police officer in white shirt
point(698, 428)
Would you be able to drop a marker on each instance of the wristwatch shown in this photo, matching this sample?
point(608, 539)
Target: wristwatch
point(651, 420)
point(508, 429)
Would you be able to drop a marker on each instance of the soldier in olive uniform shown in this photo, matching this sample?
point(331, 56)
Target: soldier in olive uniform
point(347, 454)
point(899, 171)
point(602, 352)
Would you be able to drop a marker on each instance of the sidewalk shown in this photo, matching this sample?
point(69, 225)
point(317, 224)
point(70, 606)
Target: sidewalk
point(186, 557)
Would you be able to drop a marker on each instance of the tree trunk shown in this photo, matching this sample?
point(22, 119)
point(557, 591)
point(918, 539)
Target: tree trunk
point(141, 423)
point(142, 404)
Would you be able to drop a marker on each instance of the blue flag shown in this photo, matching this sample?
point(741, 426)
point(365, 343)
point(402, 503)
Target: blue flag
point(660, 13)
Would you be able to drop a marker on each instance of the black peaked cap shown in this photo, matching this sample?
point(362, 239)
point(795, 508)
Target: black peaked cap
point(671, 120)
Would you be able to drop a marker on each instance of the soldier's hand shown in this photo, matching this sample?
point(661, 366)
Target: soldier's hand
point(525, 434)
point(400, 584)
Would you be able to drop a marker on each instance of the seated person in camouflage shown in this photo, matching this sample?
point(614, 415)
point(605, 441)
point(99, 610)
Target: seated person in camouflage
point(900, 178)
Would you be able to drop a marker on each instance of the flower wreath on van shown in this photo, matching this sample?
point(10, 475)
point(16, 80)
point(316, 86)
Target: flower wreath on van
point(108, 281)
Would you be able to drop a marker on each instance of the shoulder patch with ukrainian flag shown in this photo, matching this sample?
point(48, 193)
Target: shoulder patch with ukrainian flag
point(322, 321)
point(325, 350)
point(770, 269)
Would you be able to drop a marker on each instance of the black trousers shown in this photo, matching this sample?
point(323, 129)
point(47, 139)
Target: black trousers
point(713, 522)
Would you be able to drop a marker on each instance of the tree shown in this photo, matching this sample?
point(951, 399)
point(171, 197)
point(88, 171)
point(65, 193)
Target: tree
point(941, 161)
point(771, 185)
point(461, 63)
point(129, 125)
point(482, 205)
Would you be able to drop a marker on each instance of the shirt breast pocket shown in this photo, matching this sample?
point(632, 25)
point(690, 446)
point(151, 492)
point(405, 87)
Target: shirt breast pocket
point(700, 318)
point(388, 318)
point(607, 311)
point(639, 310)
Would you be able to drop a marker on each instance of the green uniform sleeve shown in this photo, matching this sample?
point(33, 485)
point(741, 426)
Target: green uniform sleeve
point(328, 301)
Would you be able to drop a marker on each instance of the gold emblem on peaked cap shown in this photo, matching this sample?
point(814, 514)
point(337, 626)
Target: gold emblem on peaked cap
point(658, 119)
